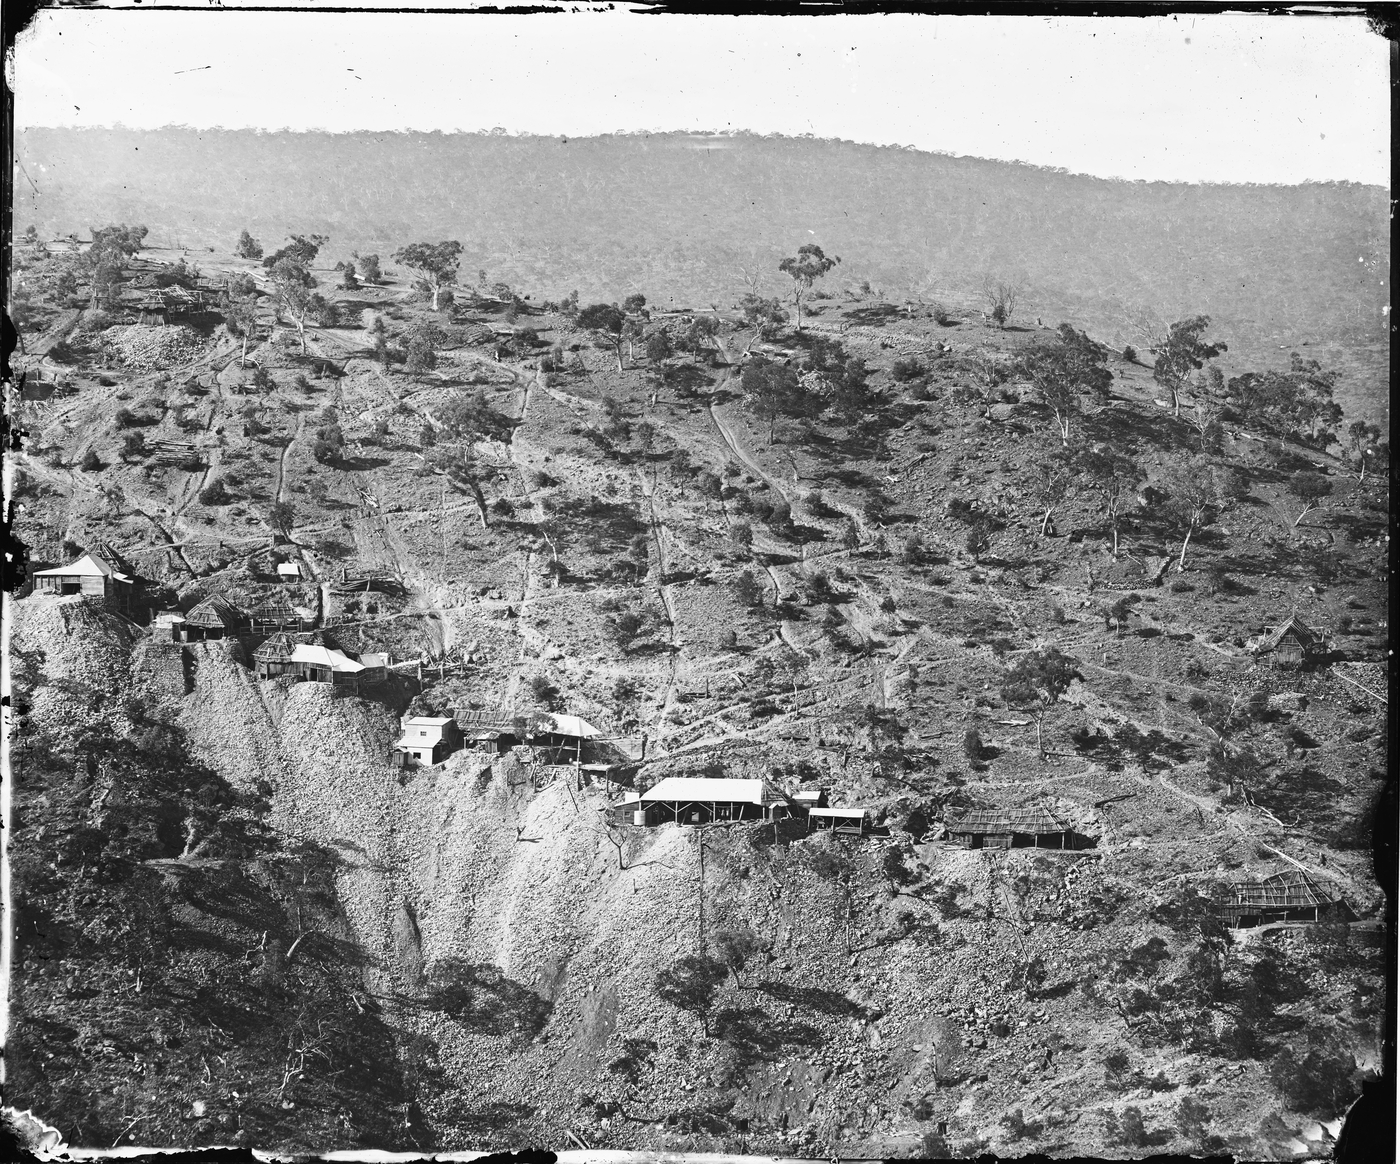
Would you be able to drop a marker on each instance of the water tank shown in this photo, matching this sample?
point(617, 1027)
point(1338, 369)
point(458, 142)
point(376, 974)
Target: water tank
point(639, 817)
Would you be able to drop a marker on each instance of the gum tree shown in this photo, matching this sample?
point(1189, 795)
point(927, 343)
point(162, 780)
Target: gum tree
point(1115, 477)
point(1036, 683)
point(608, 323)
point(805, 268)
point(436, 264)
point(1182, 352)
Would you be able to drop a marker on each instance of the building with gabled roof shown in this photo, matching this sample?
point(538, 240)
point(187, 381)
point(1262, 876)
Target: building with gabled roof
point(701, 800)
point(91, 576)
point(277, 613)
point(319, 664)
point(427, 739)
point(274, 657)
point(1290, 644)
point(214, 618)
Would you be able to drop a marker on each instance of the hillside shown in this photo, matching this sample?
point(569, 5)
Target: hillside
point(678, 215)
point(232, 904)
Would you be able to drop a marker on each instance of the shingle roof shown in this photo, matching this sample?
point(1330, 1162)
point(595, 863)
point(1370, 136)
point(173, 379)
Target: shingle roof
point(1032, 820)
point(687, 789)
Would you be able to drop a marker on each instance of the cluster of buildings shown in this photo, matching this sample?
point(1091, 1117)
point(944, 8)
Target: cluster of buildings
point(552, 739)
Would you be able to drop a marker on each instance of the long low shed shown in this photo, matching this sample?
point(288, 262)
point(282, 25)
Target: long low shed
point(847, 821)
point(699, 800)
point(1009, 828)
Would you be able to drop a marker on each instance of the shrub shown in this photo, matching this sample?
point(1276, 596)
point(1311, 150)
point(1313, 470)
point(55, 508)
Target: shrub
point(910, 368)
point(214, 494)
point(369, 268)
point(1017, 1127)
point(1131, 1130)
point(134, 446)
point(972, 743)
point(748, 590)
point(1322, 1082)
point(544, 691)
point(91, 462)
point(940, 315)
point(1130, 354)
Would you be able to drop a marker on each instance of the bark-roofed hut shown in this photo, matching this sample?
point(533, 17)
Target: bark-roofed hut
point(274, 657)
point(1010, 828)
point(1289, 895)
point(214, 618)
point(276, 614)
point(1290, 643)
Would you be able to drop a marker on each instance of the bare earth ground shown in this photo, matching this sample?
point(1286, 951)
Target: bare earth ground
point(884, 1005)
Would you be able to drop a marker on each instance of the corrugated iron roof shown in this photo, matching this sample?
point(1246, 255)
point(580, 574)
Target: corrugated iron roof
point(572, 725)
point(325, 657)
point(89, 565)
point(1031, 820)
point(842, 812)
point(688, 789)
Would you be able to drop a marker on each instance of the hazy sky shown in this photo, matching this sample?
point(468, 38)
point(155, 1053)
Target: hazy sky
point(1226, 98)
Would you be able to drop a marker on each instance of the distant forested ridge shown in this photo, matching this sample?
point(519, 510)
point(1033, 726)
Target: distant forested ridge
point(677, 216)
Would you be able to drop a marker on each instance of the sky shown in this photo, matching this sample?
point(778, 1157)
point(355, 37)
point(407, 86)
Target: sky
point(1232, 98)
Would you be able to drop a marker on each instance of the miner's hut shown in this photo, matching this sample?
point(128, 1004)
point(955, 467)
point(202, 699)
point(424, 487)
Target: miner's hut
point(1289, 645)
point(323, 665)
point(274, 657)
point(277, 614)
point(844, 822)
point(91, 576)
point(488, 731)
point(1009, 828)
point(1290, 895)
point(427, 739)
point(214, 618)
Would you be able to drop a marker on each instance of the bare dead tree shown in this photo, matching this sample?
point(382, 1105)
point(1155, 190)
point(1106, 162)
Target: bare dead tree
point(1001, 298)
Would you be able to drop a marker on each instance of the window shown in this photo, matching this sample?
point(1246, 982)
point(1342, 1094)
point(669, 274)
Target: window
point(422, 732)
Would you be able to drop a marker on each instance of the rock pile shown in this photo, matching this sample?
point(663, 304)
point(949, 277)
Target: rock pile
point(140, 346)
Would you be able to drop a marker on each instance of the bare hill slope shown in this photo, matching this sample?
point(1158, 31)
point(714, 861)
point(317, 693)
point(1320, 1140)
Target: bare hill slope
point(865, 562)
point(678, 216)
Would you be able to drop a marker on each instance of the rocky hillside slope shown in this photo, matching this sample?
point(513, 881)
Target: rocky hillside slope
point(232, 903)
